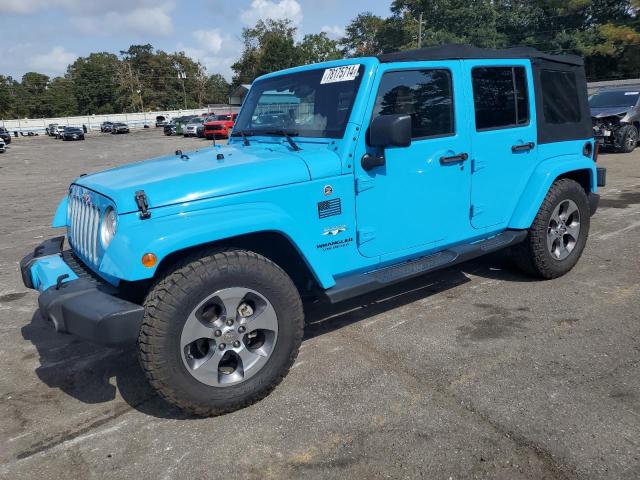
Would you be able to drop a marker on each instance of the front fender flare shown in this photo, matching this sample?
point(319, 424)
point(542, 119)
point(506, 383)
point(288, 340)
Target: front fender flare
point(166, 234)
point(540, 182)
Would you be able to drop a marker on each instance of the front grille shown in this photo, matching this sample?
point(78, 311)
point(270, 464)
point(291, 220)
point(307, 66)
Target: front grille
point(214, 127)
point(83, 224)
point(79, 268)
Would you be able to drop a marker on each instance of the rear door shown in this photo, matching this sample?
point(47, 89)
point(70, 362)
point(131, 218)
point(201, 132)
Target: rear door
point(504, 149)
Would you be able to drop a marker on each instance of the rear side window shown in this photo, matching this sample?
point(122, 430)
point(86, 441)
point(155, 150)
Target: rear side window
point(426, 95)
point(560, 102)
point(500, 97)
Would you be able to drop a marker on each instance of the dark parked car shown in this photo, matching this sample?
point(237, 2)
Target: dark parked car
point(5, 135)
point(119, 128)
point(72, 133)
point(616, 118)
point(169, 129)
point(106, 127)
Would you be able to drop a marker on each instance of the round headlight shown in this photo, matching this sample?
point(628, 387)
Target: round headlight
point(108, 226)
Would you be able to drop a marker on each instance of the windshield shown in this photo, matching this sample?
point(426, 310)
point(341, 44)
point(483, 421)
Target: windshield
point(617, 98)
point(313, 103)
point(223, 118)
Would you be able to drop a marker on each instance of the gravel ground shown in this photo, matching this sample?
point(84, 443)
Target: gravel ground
point(474, 372)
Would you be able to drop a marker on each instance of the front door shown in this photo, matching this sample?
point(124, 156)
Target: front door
point(504, 150)
point(420, 196)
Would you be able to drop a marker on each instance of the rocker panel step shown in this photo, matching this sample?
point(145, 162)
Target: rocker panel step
point(361, 283)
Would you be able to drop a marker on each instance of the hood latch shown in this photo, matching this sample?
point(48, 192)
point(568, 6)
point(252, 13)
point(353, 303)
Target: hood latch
point(143, 204)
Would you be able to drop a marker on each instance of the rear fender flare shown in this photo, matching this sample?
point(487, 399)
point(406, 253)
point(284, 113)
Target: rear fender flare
point(540, 182)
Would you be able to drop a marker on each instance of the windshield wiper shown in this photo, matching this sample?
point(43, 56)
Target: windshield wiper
point(286, 135)
point(241, 133)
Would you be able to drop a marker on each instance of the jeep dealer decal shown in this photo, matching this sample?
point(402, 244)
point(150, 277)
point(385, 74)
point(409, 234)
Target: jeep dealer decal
point(340, 74)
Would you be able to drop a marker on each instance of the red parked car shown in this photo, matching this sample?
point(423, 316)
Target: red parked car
point(220, 125)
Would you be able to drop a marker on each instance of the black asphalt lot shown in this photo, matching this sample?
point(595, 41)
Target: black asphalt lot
point(475, 372)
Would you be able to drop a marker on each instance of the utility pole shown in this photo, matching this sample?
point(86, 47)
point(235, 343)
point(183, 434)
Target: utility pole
point(141, 101)
point(182, 75)
point(420, 31)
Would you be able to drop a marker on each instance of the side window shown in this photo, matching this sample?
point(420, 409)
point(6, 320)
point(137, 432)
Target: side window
point(500, 97)
point(426, 95)
point(559, 97)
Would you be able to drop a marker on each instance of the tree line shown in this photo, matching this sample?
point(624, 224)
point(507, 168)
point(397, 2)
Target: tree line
point(605, 32)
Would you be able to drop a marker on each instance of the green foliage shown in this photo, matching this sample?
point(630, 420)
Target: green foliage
point(268, 46)
point(140, 78)
point(94, 84)
point(316, 48)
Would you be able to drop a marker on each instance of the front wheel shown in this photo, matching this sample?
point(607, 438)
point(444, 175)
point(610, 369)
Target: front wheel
point(558, 234)
point(220, 331)
point(628, 139)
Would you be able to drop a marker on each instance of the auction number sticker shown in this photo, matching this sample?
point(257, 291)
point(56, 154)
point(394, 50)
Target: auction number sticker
point(340, 74)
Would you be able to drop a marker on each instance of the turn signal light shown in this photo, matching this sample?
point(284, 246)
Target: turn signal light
point(149, 260)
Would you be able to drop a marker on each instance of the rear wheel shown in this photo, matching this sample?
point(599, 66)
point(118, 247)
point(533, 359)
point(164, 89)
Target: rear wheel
point(558, 234)
point(220, 331)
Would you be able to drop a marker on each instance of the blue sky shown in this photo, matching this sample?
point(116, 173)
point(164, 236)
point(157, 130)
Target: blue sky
point(47, 35)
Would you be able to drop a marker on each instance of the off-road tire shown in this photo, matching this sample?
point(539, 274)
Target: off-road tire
point(628, 139)
point(532, 256)
point(175, 295)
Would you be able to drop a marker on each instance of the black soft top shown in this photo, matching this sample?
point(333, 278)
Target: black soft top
point(556, 78)
point(461, 52)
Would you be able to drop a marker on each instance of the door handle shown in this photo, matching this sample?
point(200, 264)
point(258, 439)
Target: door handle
point(523, 148)
point(462, 157)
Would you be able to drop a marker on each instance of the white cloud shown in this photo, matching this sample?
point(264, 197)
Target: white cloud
point(266, 9)
point(210, 40)
point(104, 18)
point(333, 31)
point(143, 20)
point(53, 63)
point(27, 6)
point(217, 52)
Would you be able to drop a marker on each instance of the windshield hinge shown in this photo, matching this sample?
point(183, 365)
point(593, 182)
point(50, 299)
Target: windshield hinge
point(143, 204)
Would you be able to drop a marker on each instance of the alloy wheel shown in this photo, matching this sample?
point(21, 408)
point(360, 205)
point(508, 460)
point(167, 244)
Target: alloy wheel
point(563, 230)
point(229, 337)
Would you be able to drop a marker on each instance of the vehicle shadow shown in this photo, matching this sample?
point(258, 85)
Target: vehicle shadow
point(323, 317)
point(95, 374)
point(91, 373)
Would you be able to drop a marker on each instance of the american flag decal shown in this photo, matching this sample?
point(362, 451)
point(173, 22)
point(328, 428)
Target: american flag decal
point(329, 208)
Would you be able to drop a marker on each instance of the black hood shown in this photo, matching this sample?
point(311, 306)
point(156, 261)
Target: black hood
point(601, 112)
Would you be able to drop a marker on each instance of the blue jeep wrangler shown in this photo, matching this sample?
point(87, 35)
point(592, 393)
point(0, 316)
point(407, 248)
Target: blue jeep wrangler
point(339, 178)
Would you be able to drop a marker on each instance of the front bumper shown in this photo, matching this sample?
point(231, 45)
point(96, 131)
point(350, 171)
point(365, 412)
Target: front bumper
point(75, 300)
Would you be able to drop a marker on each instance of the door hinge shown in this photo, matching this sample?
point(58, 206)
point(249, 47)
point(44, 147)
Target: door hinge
point(364, 183)
point(477, 165)
point(475, 210)
point(366, 235)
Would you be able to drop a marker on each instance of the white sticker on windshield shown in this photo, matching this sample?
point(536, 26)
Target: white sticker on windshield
point(632, 93)
point(340, 74)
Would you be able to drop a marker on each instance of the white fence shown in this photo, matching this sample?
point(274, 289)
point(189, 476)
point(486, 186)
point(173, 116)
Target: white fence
point(92, 122)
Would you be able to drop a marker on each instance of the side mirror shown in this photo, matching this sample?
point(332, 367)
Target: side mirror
point(390, 131)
